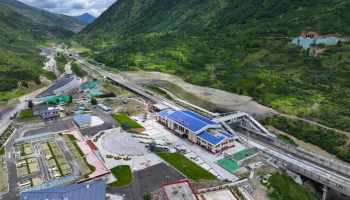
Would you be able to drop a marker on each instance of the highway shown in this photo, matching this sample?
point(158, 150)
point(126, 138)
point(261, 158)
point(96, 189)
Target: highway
point(5, 120)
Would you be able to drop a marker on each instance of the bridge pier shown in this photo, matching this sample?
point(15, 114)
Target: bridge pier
point(325, 193)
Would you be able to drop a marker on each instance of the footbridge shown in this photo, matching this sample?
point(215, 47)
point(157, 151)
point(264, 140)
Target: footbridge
point(244, 120)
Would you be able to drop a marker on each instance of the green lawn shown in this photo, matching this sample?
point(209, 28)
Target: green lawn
point(123, 175)
point(193, 171)
point(91, 167)
point(284, 187)
point(123, 119)
point(27, 114)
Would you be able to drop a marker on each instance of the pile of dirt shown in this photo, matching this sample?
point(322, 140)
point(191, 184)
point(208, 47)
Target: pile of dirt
point(208, 98)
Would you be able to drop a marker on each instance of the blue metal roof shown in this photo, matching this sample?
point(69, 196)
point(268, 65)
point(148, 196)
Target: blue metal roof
point(51, 115)
point(211, 138)
point(226, 134)
point(193, 124)
point(78, 112)
point(80, 119)
point(33, 137)
point(164, 113)
point(49, 111)
point(87, 191)
point(203, 119)
point(81, 108)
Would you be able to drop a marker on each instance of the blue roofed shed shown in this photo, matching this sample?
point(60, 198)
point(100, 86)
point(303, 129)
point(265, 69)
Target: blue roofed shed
point(87, 191)
point(81, 108)
point(83, 120)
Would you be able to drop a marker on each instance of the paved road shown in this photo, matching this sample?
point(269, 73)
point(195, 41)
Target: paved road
point(69, 158)
point(54, 127)
point(150, 178)
point(5, 120)
point(41, 161)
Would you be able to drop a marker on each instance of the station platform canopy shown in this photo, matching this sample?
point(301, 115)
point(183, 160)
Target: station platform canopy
point(22, 139)
point(54, 183)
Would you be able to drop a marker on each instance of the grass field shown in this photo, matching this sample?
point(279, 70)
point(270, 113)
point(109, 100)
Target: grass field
point(123, 119)
point(123, 175)
point(91, 167)
point(27, 114)
point(193, 171)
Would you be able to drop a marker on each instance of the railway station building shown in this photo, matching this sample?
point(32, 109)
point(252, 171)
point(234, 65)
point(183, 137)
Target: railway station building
point(197, 129)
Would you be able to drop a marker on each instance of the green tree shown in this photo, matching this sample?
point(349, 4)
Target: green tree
point(58, 101)
point(147, 195)
point(30, 104)
point(93, 101)
point(70, 98)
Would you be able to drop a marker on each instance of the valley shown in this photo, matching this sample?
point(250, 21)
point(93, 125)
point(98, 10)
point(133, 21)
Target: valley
point(243, 99)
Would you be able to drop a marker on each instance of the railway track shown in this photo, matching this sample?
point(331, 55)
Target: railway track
point(326, 169)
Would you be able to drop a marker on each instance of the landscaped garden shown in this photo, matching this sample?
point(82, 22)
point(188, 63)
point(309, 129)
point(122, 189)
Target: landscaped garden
point(123, 175)
point(192, 170)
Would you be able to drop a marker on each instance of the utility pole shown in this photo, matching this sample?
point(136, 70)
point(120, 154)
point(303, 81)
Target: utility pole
point(246, 148)
point(212, 69)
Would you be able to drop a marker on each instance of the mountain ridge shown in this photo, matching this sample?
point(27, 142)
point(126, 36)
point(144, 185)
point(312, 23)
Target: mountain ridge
point(86, 18)
point(45, 17)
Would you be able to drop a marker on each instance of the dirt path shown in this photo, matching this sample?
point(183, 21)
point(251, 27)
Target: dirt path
point(67, 68)
point(311, 122)
point(304, 145)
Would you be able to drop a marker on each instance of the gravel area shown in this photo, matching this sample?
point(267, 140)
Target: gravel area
point(215, 100)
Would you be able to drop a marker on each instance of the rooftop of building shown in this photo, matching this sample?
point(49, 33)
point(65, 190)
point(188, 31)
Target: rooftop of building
point(179, 190)
point(80, 119)
point(57, 84)
point(87, 191)
point(187, 119)
point(41, 107)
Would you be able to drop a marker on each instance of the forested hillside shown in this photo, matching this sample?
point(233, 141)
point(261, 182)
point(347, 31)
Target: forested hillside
point(44, 17)
point(249, 42)
point(20, 61)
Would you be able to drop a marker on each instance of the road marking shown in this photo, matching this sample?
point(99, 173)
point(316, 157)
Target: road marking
point(9, 154)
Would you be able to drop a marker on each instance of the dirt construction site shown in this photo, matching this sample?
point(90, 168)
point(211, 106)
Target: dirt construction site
point(131, 106)
point(207, 98)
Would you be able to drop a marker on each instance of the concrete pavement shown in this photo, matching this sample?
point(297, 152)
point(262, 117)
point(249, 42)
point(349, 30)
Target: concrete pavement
point(150, 178)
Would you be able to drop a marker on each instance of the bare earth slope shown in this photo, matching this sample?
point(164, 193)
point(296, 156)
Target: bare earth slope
point(208, 98)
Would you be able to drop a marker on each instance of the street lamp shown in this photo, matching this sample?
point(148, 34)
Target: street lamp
point(167, 157)
point(167, 179)
point(184, 166)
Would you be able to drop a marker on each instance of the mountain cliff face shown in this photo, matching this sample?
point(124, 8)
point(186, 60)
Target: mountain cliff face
point(240, 46)
point(44, 17)
point(19, 56)
point(86, 18)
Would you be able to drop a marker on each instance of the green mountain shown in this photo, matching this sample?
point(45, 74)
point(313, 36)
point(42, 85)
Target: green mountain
point(248, 40)
point(45, 17)
point(20, 61)
point(86, 17)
